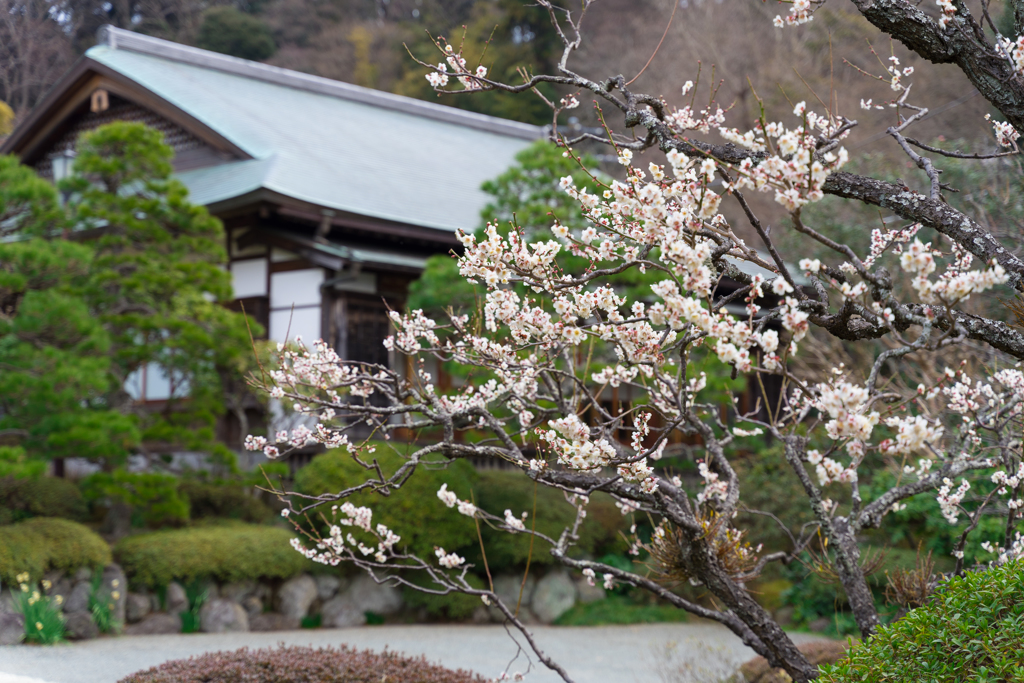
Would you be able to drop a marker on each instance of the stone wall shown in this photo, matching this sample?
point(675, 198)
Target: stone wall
point(339, 602)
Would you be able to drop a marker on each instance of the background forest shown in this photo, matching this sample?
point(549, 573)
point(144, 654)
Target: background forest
point(365, 41)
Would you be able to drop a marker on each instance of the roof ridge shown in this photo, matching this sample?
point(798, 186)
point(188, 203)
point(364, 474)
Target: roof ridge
point(121, 39)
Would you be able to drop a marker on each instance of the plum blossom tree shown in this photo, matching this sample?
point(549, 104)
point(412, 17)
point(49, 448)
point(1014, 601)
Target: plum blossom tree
point(548, 341)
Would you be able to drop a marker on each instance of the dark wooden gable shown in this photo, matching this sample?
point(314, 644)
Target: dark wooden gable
point(189, 150)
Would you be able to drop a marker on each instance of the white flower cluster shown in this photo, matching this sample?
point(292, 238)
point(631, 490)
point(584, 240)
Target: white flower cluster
point(1014, 552)
point(829, 470)
point(714, 487)
point(1007, 482)
point(792, 171)
point(449, 560)
point(846, 404)
point(439, 78)
point(913, 434)
point(948, 9)
point(799, 13)
point(896, 75)
point(949, 500)
point(955, 284)
point(513, 522)
point(1006, 135)
point(451, 500)
point(337, 545)
point(1013, 50)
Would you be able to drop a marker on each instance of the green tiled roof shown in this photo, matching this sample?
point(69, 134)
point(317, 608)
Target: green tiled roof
point(331, 144)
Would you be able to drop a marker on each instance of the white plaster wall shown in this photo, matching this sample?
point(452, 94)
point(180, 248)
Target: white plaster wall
point(296, 288)
point(249, 278)
point(286, 324)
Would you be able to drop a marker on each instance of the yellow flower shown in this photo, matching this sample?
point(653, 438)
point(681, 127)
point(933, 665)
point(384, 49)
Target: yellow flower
point(35, 595)
point(39, 626)
point(46, 585)
point(59, 599)
point(24, 588)
point(115, 595)
point(22, 577)
point(115, 583)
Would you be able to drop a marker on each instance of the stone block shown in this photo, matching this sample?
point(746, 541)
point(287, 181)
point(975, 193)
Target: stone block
point(296, 595)
point(341, 612)
point(273, 621)
point(555, 595)
point(80, 626)
point(222, 616)
point(136, 607)
point(155, 624)
point(12, 628)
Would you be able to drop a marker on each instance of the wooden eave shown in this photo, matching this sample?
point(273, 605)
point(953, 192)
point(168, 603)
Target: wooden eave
point(71, 93)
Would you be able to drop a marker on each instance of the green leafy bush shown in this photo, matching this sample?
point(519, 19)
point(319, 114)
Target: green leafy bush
point(973, 630)
point(24, 498)
point(423, 522)
point(300, 664)
point(619, 609)
point(234, 552)
point(15, 462)
point(413, 512)
point(224, 500)
point(508, 489)
point(39, 545)
point(454, 606)
point(153, 497)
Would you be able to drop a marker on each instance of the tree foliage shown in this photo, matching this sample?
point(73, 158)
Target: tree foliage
point(124, 276)
point(231, 32)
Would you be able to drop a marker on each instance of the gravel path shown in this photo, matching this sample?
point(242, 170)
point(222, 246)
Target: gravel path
point(602, 654)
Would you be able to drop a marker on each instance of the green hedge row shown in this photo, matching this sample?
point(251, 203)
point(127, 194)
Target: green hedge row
point(39, 545)
point(234, 552)
point(972, 630)
point(415, 513)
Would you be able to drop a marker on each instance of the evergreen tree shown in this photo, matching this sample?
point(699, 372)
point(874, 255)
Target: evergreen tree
point(127, 276)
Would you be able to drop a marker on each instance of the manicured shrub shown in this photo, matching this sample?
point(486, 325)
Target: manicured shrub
point(506, 489)
point(233, 552)
point(225, 500)
point(39, 545)
point(454, 606)
point(301, 665)
point(972, 630)
point(153, 497)
point(42, 496)
point(413, 512)
point(620, 609)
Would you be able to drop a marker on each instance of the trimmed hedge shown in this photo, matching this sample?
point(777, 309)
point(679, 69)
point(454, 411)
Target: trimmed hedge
point(972, 630)
point(43, 544)
point(233, 552)
point(25, 498)
point(413, 512)
point(423, 522)
point(301, 665)
point(224, 500)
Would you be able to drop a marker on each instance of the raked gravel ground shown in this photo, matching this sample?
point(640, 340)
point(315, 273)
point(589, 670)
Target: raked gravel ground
point(602, 654)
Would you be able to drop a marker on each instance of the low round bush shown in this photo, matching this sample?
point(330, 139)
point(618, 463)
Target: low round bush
point(233, 552)
point(301, 665)
point(972, 630)
point(224, 501)
point(414, 511)
point(24, 498)
point(43, 544)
